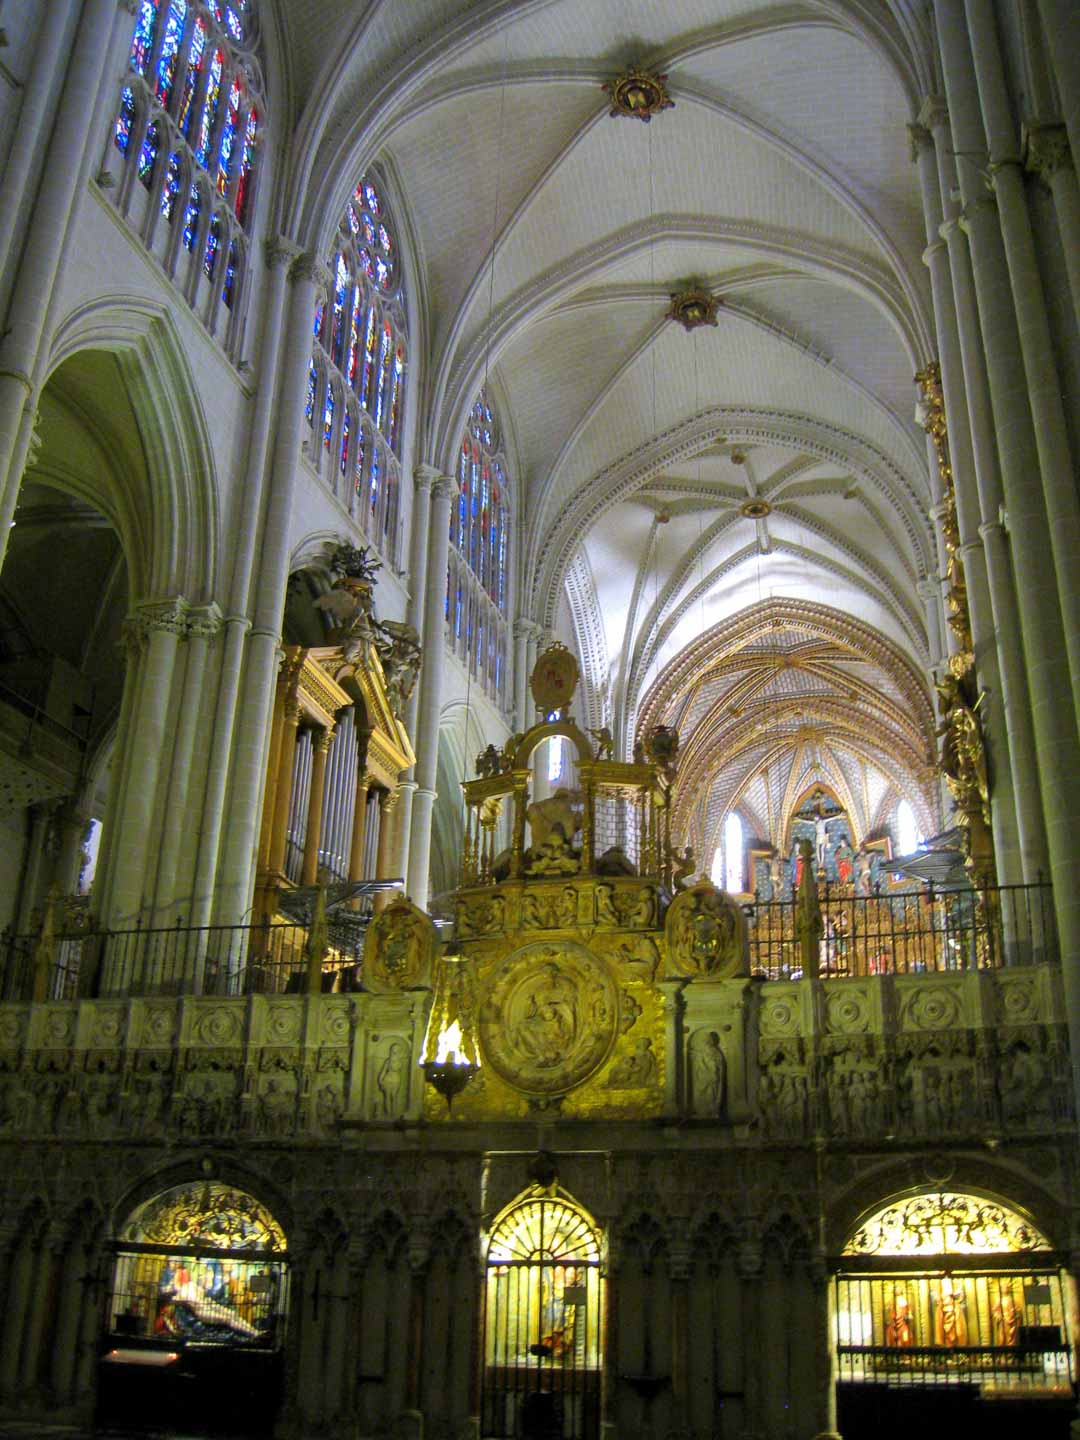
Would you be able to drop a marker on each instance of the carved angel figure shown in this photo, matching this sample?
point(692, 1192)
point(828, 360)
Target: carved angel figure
point(398, 646)
point(605, 743)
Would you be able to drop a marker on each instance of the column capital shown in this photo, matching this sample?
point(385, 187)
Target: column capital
point(204, 621)
point(425, 476)
point(949, 229)
point(321, 743)
point(1046, 149)
point(444, 487)
point(932, 251)
point(280, 250)
point(151, 616)
point(310, 267)
point(932, 112)
point(524, 629)
point(920, 139)
point(926, 588)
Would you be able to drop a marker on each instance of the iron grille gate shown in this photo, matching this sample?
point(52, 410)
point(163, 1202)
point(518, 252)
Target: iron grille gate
point(542, 1325)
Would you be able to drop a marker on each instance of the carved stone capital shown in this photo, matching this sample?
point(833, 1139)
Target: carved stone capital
point(204, 621)
point(310, 267)
point(933, 112)
point(749, 1259)
point(445, 487)
point(280, 250)
point(425, 476)
point(920, 139)
point(1046, 150)
point(152, 616)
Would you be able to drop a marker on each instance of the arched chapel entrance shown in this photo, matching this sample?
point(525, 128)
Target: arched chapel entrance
point(195, 1315)
point(543, 1338)
point(952, 1314)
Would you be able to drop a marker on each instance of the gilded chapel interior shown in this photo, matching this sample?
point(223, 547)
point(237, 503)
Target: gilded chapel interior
point(539, 719)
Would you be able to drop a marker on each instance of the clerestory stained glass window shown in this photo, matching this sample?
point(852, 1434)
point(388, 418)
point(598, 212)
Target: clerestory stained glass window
point(360, 337)
point(189, 117)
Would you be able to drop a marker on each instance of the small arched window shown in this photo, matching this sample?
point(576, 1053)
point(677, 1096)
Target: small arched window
point(728, 859)
point(182, 160)
point(908, 835)
point(356, 386)
point(478, 578)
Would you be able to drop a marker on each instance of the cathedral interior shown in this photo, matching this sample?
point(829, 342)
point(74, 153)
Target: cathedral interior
point(539, 718)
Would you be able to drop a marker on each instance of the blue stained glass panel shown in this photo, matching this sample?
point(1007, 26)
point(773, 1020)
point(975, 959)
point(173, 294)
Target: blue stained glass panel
point(228, 137)
point(368, 384)
point(213, 242)
point(191, 218)
point(373, 488)
point(170, 49)
point(328, 416)
point(191, 75)
point(358, 466)
point(309, 402)
point(320, 310)
point(233, 22)
point(142, 39)
point(170, 189)
point(371, 199)
point(247, 160)
point(341, 283)
point(149, 153)
point(344, 458)
point(124, 120)
point(213, 95)
point(354, 337)
point(382, 272)
point(384, 373)
point(228, 290)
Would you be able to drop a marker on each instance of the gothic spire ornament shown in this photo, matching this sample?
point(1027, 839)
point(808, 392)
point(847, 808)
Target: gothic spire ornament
point(693, 306)
point(638, 94)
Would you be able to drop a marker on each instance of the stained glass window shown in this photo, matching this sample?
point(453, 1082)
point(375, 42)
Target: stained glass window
point(191, 219)
point(125, 119)
point(228, 137)
point(170, 50)
point(213, 242)
point(247, 156)
point(142, 40)
point(309, 403)
point(148, 153)
point(344, 460)
point(170, 189)
point(479, 532)
point(328, 415)
point(359, 336)
point(191, 97)
point(191, 75)
point(228, 290)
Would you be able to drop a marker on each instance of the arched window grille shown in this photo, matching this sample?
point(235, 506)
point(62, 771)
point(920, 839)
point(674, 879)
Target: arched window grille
point(182, 160)
point(543, 1321)
point(356, 385)
point(952, 1288)
point(478, 575)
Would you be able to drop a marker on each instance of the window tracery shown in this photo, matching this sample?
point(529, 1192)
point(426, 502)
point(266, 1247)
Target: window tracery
point(355, 396)
point(188, 129)
point(477, 584)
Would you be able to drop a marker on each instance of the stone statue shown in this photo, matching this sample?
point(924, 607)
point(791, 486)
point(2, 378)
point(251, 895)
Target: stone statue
point(605, 742)
point(708, 1073)
point(559, 814)
point(390, 1081)
point(682, 868)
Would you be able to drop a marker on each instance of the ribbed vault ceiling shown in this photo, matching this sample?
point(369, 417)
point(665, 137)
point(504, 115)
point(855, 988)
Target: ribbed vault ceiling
point(548, 238)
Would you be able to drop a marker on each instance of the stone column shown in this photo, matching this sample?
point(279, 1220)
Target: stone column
point(522, 631)
point(1061, 24)
point(825, 1399)
point(359, 823)
point(279, 254)
point(444, 491)
point(159, 626)
point(309, 875)
point(201, 626)
point(424, 477)
point(1043, 381)
point(1047, 155)
point(1054, 724)
point(384, 854)
point(680, 1268)
point(23, 334)
point(419, 1254)
point(255, 706)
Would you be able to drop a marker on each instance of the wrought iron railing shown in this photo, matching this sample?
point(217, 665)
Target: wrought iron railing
point(178, 960)
point(905, 932)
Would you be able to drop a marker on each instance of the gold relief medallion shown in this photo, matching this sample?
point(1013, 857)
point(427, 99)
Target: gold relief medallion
point(554, 679)
point(705, 934)
point(398, 948)
point(551, 1018)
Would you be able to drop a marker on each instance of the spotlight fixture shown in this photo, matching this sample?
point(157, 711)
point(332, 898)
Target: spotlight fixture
point(693, 307)
point(638, 94)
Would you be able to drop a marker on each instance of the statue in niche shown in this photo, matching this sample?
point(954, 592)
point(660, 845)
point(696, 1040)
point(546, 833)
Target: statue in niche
point(605, 905)
point(327, 1107)
point(636, 1070)
point(791, 1103)
point(708, 1074)
point(390, 1081)
point(932, 1109)
point(1023, 1098)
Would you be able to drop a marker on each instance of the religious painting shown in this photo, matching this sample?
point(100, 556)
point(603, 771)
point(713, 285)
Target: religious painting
point(206, 1266)
point(822, 821)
